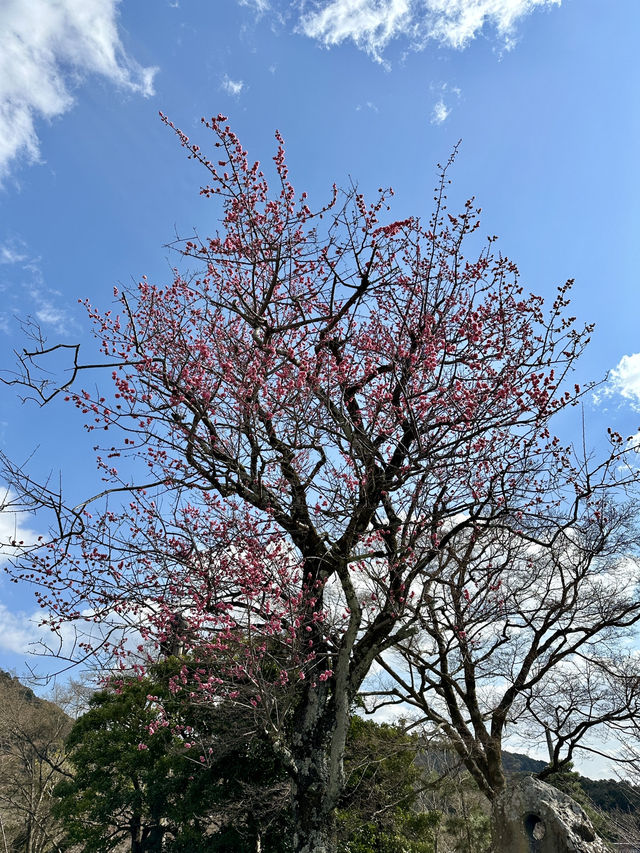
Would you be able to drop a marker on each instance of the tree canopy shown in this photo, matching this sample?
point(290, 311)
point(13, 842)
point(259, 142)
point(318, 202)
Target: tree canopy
point(333, 434)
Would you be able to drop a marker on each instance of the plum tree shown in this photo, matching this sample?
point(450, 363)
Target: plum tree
point(314, 419)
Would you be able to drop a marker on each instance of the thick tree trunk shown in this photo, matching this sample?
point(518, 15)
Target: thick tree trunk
point(313, 807)
point(316, 753)
point(317, 750)
point(135, 825)
point(314, 840)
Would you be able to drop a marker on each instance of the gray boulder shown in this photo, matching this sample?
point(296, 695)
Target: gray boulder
point(533, 817)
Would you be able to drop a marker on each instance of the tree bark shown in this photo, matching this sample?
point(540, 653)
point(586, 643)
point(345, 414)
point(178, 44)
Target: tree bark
point(135, 825)
point(313, 806)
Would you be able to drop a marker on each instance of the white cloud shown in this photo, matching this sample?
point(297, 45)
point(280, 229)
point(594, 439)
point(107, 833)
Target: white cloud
point(30, 635)
point(457, 22)
point(231, 87)
point(49, 315)
point(25, 633)
point(440, 112)
point(624, 379)
point(9, 254)
point(45, 49)
point(12, 525)
point(373, 24)
point(19, 631)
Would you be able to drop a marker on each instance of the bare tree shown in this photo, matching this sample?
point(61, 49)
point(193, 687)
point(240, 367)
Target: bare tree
point(524, 624)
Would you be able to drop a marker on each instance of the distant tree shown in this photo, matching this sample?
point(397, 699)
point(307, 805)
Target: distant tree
point(72, 696)
point(334, 435)
point(612, 795)
point(383, 780)
point(32, 762)
point(619, 799)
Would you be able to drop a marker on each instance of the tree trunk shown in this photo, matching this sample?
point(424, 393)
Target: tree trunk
point(135, 826)
point(316, 840)
point(313, 809)
point(318, 743)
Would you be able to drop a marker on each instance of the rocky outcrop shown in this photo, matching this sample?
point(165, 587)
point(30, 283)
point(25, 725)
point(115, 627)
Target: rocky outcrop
point(533, 817)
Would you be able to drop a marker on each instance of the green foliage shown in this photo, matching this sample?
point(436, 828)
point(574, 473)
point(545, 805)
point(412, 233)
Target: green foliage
point(369, 838)
point(153, 792)
point(376, 809)
point(470, 832)
point(568, 781)
point(125, 782)
point(185, 787)
point(392, 804)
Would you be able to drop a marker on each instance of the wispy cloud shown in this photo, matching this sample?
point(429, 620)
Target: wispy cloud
point(231, 87)
point(25, 292)
point(370, 105)
point(373, 24)
point(45, 50)
point(9, 254)
point(259, 6)
point(370, 24)
point(442, 107)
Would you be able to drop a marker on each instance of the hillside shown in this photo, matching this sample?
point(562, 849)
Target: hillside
point(32, 733)
point(11, 686)
point(517, 762)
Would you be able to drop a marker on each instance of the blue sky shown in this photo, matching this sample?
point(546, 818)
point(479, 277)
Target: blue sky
point(543, 94)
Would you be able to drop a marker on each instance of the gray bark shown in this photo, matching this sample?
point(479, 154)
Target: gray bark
point(314, 800)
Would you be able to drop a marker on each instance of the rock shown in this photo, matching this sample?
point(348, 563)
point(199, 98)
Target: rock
point(533, 817)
